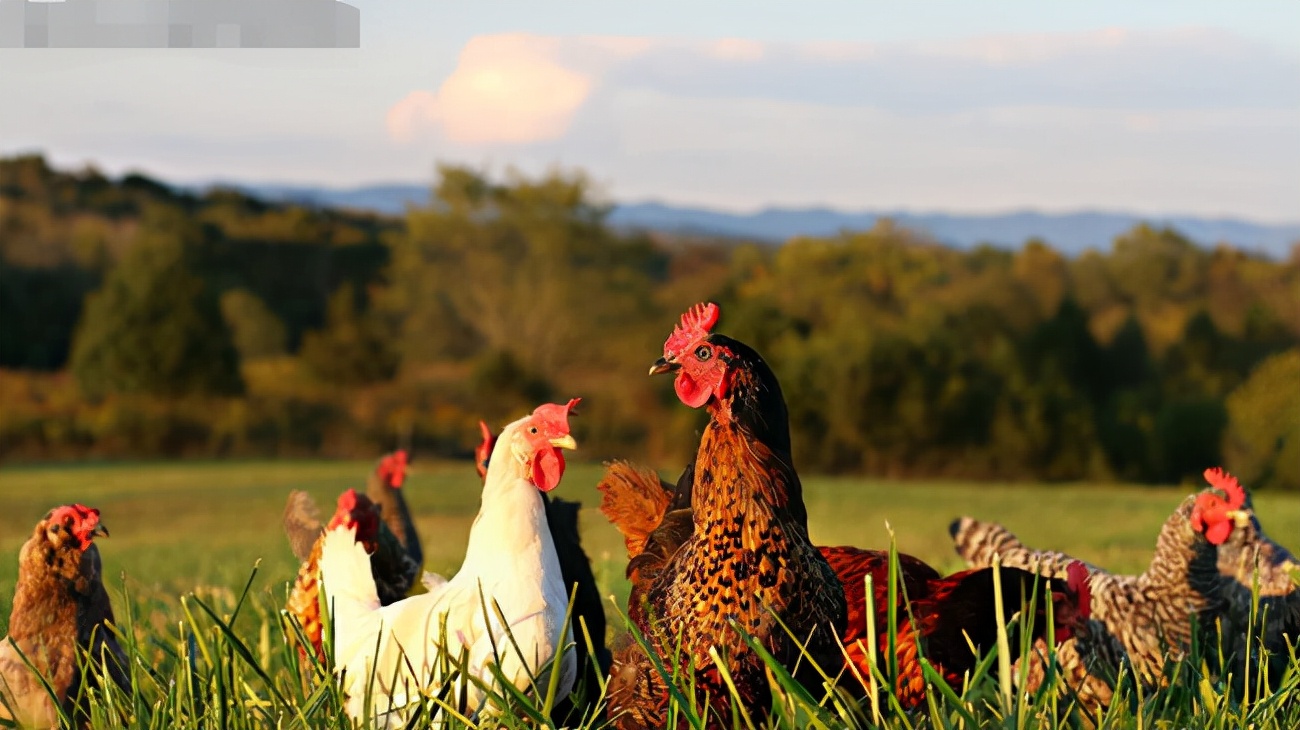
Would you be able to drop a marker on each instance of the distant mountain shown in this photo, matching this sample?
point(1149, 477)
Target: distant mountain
point(1071, 233)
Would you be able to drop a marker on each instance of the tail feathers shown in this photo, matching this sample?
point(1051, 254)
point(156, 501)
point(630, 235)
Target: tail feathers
point(346, 574)
point(302, 523)
point(962, 606)
point(634, 500)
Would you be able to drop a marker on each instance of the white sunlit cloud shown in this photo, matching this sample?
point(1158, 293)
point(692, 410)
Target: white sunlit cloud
point(505, 89)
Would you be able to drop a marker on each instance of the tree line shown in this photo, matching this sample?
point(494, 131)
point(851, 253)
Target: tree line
point(142, 320)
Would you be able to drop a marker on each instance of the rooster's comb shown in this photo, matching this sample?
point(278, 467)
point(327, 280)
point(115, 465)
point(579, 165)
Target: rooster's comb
point(1079, 580)
point(1228, 484)
point(78, 512)
point(555, 417)
point(392, 469)
point(348, 501)
point(694, 326)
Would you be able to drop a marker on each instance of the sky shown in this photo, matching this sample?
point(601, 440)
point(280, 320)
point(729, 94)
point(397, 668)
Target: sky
point(1163, 108)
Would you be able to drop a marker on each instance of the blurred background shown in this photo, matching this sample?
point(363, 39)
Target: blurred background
point(1012, 241)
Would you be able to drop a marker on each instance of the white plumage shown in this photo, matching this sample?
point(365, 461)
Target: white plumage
point(392, 657)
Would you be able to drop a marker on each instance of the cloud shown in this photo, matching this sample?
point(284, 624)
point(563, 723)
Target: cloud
point(1186, 119)
point(506, 89)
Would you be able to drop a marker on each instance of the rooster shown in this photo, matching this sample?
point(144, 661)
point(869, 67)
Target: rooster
point(1143, 620)
point(588, 612)
point(946, 611)
point(384, 488)
point(391, 657)
point(738, 553)
point(55, 586)
point(391, 567)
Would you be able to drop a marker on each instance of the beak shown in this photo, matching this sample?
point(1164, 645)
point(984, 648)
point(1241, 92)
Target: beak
point(99, 531)
point(1239, 516)
point(564, 442)
point(664, 365)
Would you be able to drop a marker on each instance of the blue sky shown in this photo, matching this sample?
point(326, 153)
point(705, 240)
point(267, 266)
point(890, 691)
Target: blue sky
point(1153, 107)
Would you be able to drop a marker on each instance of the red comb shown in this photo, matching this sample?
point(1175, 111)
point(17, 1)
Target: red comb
point(1078, 579)
point(483, 452)
point(392, 469)
point(1228, 484)
point(77, 511)
point(555, 417)
point(695, 325)
point(347, 501)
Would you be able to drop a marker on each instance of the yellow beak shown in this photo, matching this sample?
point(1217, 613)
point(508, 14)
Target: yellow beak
point(663, 365)
point(564, 442)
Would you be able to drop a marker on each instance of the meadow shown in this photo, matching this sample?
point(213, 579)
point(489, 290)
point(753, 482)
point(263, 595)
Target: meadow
point(201, 528)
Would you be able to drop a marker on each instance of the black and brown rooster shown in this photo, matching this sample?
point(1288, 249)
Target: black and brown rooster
point(753, 501)
point(736, 555)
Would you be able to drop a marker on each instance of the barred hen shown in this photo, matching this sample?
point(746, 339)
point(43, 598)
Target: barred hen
point(575, 567)
point(1144, 620)
point(54, 587)
point(739, 552)
point(392, 568)
point(384, 488)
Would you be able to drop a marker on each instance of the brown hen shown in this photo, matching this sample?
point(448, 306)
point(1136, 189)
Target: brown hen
point(53, 586)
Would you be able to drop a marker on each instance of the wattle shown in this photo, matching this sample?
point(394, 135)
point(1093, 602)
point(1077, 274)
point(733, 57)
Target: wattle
point(548, 469)
point(690, 392)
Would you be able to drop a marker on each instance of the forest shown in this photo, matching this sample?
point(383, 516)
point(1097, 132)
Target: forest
point(138, 320)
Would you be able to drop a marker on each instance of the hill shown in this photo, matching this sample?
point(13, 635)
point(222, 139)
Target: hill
point(1070, 233)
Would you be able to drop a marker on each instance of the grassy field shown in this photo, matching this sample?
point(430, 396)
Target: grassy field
point(179, 528)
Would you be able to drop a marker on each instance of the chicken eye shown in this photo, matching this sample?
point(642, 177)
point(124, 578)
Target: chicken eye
point(532, 430)
point(703, 353)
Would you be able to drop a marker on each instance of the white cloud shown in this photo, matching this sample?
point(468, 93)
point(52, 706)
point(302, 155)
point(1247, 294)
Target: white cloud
point(506, 89)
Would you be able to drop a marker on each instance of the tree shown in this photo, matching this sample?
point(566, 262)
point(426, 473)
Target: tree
point(354, 347)
point(257, 331)
point(1262, 444)
point(154, 327)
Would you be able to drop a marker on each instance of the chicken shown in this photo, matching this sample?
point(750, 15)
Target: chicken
point(1144, 620)
point(946, 610)
point(510, 582)
point(303, 603)
point(740, 552)
point(395, 570)
point(588, 612)
point(1249, 558)
point(95, 623)
point(384, 488)
point(943, 617)
point(54, 587)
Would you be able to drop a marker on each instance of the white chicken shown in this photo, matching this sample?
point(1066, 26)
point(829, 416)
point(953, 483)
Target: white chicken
point(392, 658)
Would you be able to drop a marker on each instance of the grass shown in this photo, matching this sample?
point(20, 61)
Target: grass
point(197, 529)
